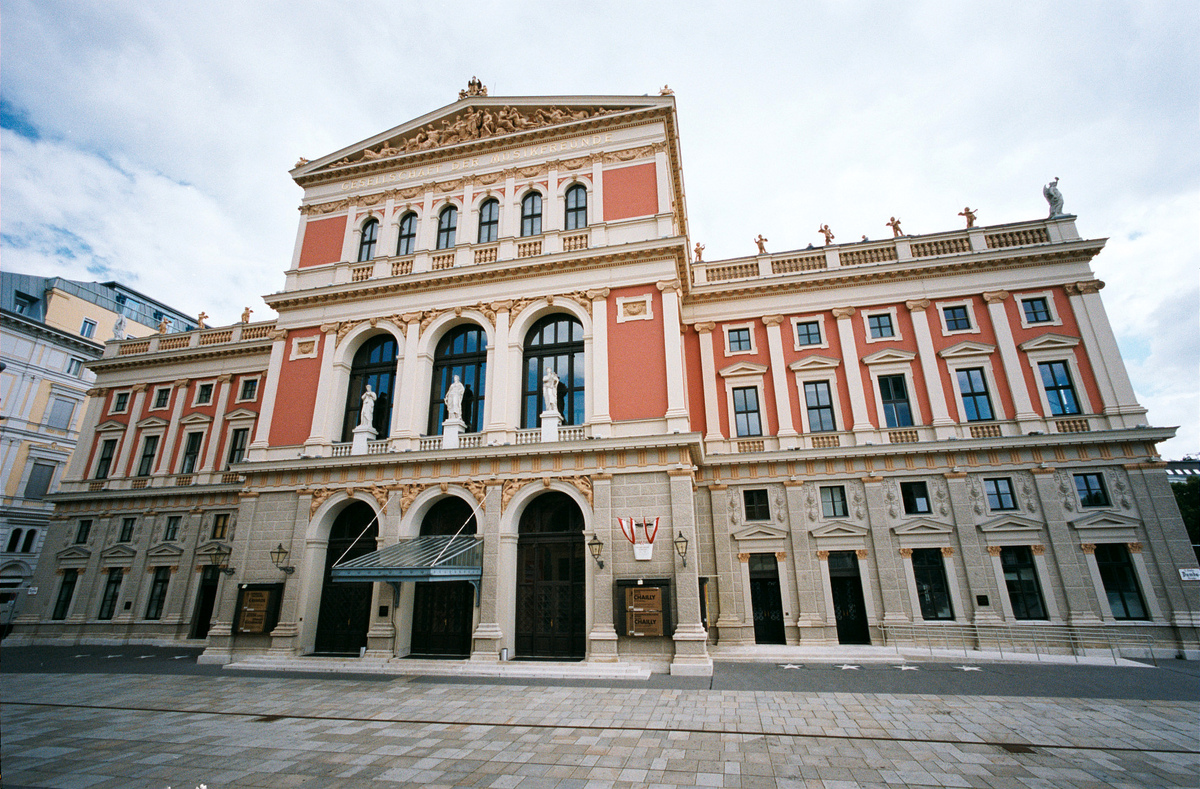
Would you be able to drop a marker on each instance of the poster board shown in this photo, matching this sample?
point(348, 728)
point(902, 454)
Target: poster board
point(257, 608)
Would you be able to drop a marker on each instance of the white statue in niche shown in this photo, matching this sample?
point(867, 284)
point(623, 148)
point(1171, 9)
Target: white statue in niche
point(454, 399)
point(550, 391)
point(367, 416)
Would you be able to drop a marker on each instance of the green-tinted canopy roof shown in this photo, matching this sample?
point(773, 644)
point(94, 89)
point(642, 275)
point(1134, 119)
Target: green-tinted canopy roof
point(418, 559)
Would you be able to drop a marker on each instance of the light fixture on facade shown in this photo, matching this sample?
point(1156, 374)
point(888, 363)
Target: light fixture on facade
point(279, 555)
point(219, 558)
point(681, 544)
point(595, 546)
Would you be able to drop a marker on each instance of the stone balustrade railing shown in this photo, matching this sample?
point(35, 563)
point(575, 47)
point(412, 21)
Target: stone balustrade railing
point(197, 338)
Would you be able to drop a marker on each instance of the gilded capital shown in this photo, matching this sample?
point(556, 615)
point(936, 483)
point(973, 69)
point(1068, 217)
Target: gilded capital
point(1038, 550)
point(843, 312)
point(743, 558)
point(995, 296)
point(1087, 547)
point(862, 553)
point(994, 550)
point(1135, 547)
point(906, 553)
point(947, 551)
point(823, 556)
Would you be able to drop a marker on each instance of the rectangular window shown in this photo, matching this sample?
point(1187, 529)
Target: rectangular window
point(25, 304)
point(191, 452)
point(220, 526)
point(107, 450)
point(204, 394)
point(61, 412)
point(75, 367)
point(39, 481)
point(1000, 494)
point(65, 592)
point(881, 326)
point(1092, 492)
point(146, 463)
point(1036, 310)
point(1120, 581)
point(893, 391)
point(249, 389)
point(833, 501)
point(158, 592)
point(127, 525)
point(819, 403)
point(1060, 392)
point(237, 445)
point(929, 571)
point(88, 328)
point(976, 402)
point(915, 496)
point(957, 318)
point(1020, 576)
point(757, 506)
point(120, 402)
point(745, 411)
point(739, 340)
point(162, 397)
point(808, 333)
point(112, 590)
point(83, 530)
point(171, 532)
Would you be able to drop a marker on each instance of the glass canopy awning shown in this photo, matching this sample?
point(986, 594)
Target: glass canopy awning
point(418, 559)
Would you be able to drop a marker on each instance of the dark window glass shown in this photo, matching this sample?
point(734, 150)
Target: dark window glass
point(249, 389)
point(88, 329)
point(819, 402)
point(30, 537)
point(162, 397)
point(107, 449)
point(833, 501)
point(120, 402)
point(915, 496)
point(447, 227)
point(1120, 581)
point(929, 571)
point(191, 452)
point(893, 391)
point(976, 401)
point(554, 342)
point(881, 326)
point(1060, 392)
point(171, 532)
point(14, 540)
point(1092, 492)
point(576, 207)
point(204, 394)
point(758, 508)
point(745, 411)
point(489, 221)
point(39, 481)
point(366, 245)
point(220, 529)
point(375, 365)
point(957, 318)
point(739, 340)
point(66, 591)
point(127, 525)
point(808, 333)
point(531, 214)
point(237, 444)
point(1000, 494)
point(461, 352)
point(81, 533)
point(112, 589)
point(1036, 310)
point(1020, 576)
point(75, 367)
point(146, 463)
point(25, 305)
point(407, 243)
point(158, 592)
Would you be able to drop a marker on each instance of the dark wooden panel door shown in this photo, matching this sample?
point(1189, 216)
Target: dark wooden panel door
point(768, 611)
point(550, 596)
point(442, 618)
point(345, 612)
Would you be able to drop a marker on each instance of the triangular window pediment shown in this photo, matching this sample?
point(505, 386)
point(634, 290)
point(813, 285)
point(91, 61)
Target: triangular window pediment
point(760, 532)
point(207, 550)
point(152, 421)
point(967, 349)
point(195, 419)
point(914, 528)
point(119, 552)
point(1049, 342)
point(165, 551)
point(1009, 524)
point(838, 529)
point(743, 368)
point(111, 426)
point(1105, 520)
point(889, 356)
point(240, 413)
point(73, 554)
point(815, 363)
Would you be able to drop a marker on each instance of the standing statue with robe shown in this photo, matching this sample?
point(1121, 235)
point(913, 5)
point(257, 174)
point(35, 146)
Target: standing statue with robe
point(454, 399)
point(366, 416)
point(550, 391)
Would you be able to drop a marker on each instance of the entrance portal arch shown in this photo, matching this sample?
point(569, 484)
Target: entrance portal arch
point(551, 579)
point(345, 610)
point(444, 611)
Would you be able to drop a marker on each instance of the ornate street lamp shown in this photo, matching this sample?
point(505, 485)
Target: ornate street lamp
point(219, 558)
point(278, 556)
point(681, 544)
point(595, 546)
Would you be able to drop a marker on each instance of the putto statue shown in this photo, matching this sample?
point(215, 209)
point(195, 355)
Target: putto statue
point(550, 390)
point(969, 215)
point(699, 251)
point(895, 226)
point(762, 244)
point(246, 315)
point(454, 399)
point(1053, 197)
point(200, 320)
point(825, 231)
point(366, 416)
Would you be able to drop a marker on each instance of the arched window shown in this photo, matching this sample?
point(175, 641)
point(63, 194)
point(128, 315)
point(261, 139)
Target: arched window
point(28, 545)
point(408, 235)
point(366, 247)
point(576, 207)
point(554, 342)
point(462, 352)
point(447, 226)
point(14, 540)
point(531, 214)
point(374, 364)
point(489, 221)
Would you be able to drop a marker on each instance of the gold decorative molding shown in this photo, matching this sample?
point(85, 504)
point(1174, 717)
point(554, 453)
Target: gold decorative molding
point(906, 552)
point(823, 556)
point(319, 496)
point(994, 550)
point(1038, 550)
point(478, 489)
point(947, 551)
point(995, 296)
point(744, 558)
point(1135, 547)
point(862, 553)
point(780, 556)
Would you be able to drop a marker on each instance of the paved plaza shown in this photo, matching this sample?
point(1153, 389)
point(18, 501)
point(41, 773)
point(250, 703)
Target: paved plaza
point(141, 717)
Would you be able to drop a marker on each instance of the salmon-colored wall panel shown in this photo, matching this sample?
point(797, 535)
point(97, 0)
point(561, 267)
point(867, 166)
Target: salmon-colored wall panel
point(695, 379)
point(322, 241)
point(297, 398)
point(630, 191)
point(637, 361)
point(1002, 396)
point(768, 415)
point(1069, 328)
point(836, 377)
point(907, 342)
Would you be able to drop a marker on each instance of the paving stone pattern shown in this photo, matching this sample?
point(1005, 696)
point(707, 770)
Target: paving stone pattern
point(73, 730)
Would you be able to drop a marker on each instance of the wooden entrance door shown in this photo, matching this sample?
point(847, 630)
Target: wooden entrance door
point(848, 606)
point(345, 612)
point(206, 599)
point(766, 600)
point(550, 579)
point(443, 611)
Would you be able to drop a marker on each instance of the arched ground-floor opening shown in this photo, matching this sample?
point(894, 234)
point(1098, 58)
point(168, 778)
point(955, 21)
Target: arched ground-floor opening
point(345, 610)
point(443, 611)
point(551, 582)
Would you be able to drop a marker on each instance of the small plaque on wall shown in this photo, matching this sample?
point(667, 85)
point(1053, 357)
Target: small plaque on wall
point(258, 608)
point(643, 608)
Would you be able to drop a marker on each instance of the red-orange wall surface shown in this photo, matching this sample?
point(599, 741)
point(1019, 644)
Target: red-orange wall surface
point(637, 360)
point(630, 191)
point(297, 394)
point(322, 241)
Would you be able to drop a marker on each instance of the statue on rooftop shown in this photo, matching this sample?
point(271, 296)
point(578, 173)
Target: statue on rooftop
point(895, 226)
point(969, 215)
point(200, 320)
point(825, 231)
point(163, 324)
point(1053, 197)
point(699, 250)
point(762, 244)
point(246, 315)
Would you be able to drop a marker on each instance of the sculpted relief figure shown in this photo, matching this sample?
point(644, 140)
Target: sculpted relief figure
point(1053, 197)
point(454, 399)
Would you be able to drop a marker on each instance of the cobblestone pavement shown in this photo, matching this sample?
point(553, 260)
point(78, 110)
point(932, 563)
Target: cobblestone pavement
point(233, 730)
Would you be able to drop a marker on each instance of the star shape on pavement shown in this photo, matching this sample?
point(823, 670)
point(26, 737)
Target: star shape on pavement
point(848, 667)
point(790, 665)
point(906, 667)
point(969, 668)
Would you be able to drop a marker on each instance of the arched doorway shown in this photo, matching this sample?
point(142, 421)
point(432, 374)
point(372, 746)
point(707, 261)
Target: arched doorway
point(345, 612)
point(550, 579)
point(443, 611)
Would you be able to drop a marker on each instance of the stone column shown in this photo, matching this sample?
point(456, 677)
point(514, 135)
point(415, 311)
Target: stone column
point(943, 423)
point(1043, 574)
point(1001, 584)
point(729, 618)
point(262, 432)
point(597, 385)
point(779, 374)
point(77, 467)
point(785, 590)
point(352, 234)
point(1143, 578)
point(500, 370)
point(743, 558)
point(135, 409)
point(827, 589)
point(678, 419)
point(404, 406)
point(214, 431)
point(910, 579)
point(979, 580)
point(807, 571)
point(691, 639)
point(891, 586)
point(285, 636)
point(854, 382)
point(323, 421)
point(596, 203)
point(1026, 417)
point(602, 640)
point(1116, 392)
point(485, 641)
point(708, 371)
point(1168, 544)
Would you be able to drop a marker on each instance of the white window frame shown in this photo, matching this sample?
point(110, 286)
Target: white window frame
point(1012, 489)
point(1048, 295)
point(817, 319)
point(212, 396)
point(825, 372)
point(233, 421)
point(897, 335)
point(725, 330)
point(984, 361)
point(257, 388)
point(196, 423)
point(88, 323)
point(845, 500)
point(135, 459)
point(106, 433)
point(1108, 490)
point(1060, 354)
point(112, 405)
point(63, 395)
point(739, 376)
point(876, 369)
point(941, 307)
point(746, 515)
point(154, 399)
point(74, 367)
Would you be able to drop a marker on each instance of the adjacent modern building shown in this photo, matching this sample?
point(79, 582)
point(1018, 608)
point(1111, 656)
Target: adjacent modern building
point(505, 413)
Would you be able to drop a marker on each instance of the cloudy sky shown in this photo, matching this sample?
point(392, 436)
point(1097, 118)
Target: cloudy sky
point(149, 142)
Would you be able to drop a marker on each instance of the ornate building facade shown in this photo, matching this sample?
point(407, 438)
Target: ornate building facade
point(504, 413)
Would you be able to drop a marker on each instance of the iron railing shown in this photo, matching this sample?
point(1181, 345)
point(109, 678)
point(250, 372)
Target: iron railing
point(1022, 639)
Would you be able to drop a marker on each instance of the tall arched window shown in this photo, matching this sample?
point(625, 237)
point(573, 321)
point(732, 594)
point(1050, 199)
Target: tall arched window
point(462, 352)
point(14, 539)
point(489, 221)
point(576, 207)
point(374, 364)
point(366, 246)
point(27, 546)
point(447, 226)
point(531, 214)
point(556, 342)
point(408, 235)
